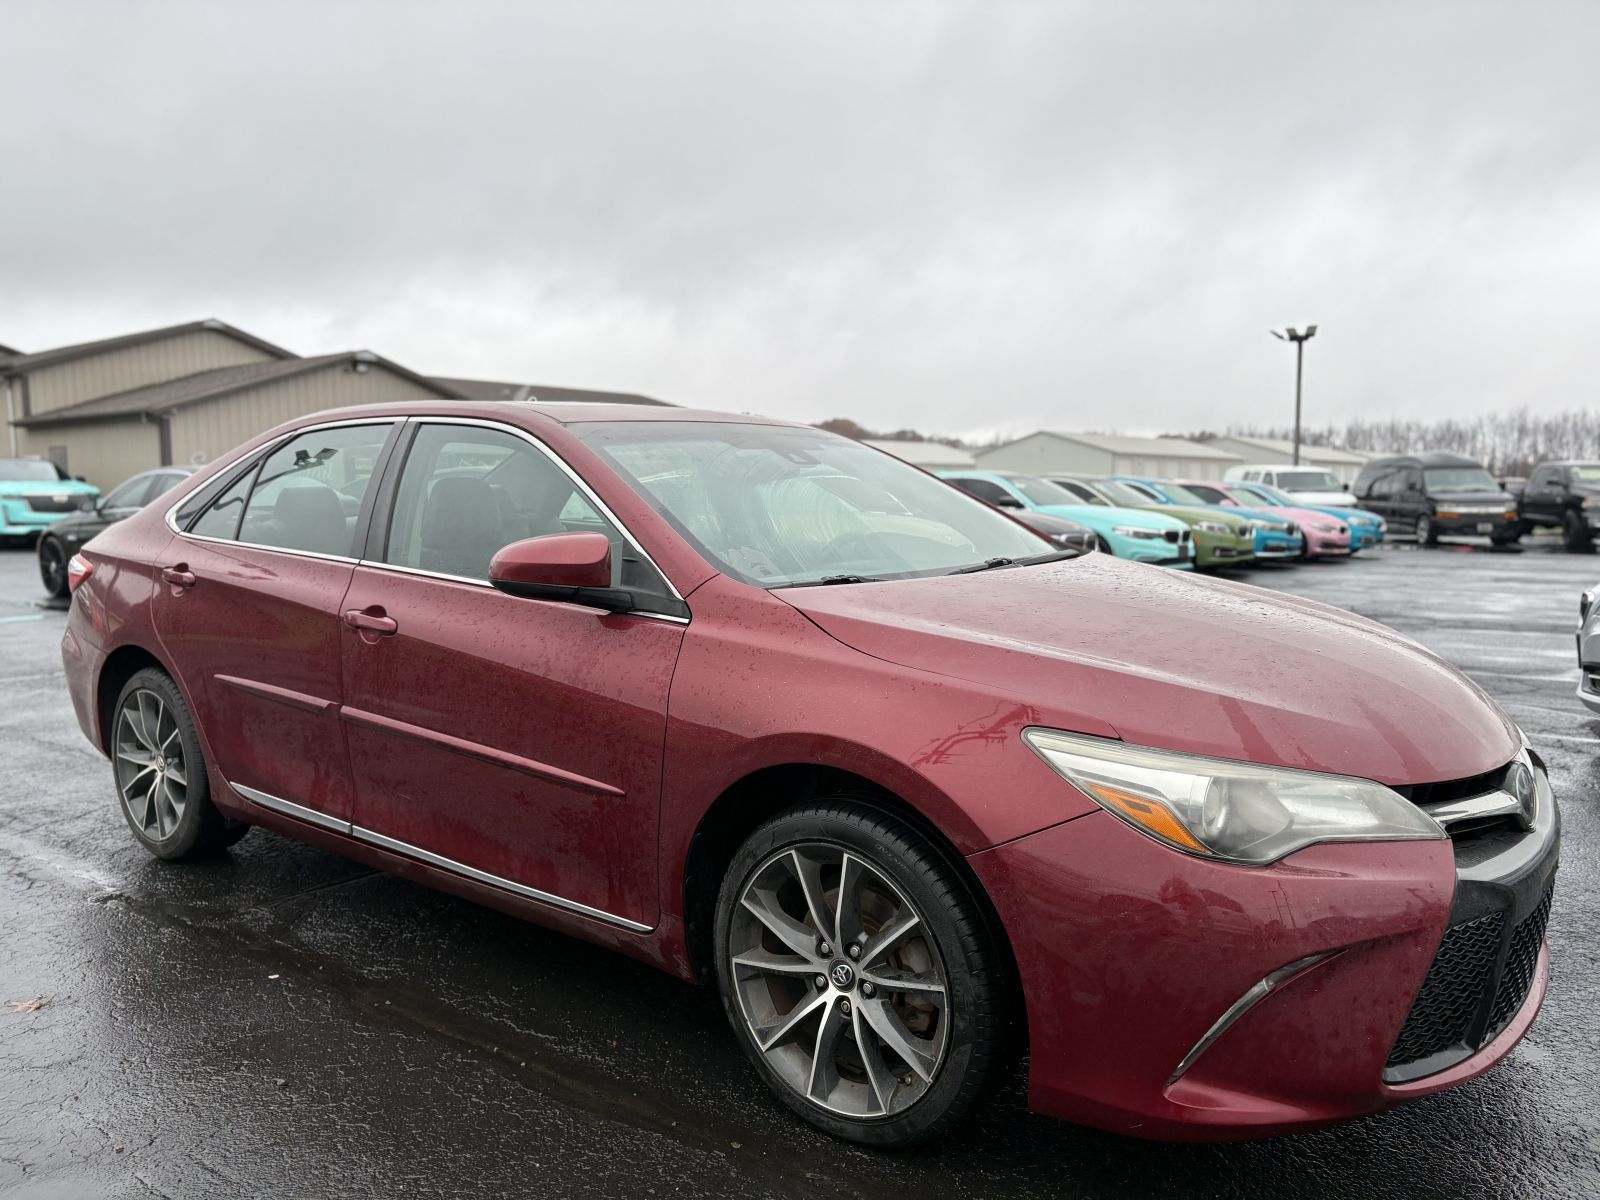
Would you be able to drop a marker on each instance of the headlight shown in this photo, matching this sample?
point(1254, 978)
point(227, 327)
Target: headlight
point(1234, 811)
point(1149, 535)
point(1591, 501)
point(1322, 528)
point(1211, 527)
point(1383, 526)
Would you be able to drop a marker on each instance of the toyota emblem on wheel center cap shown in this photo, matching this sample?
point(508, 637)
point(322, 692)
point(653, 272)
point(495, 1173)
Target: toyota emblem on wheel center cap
point(842, 974)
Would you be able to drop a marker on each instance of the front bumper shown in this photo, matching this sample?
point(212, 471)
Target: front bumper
point(1327, 545)
point(1278, 545)
point(1158, 551)
point(1448, 523)
point(1130, 953)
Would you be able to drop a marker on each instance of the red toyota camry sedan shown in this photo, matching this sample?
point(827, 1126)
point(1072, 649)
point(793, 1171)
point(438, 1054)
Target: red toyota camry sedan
point(912, 786)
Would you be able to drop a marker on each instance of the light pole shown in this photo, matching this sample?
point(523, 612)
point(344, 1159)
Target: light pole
point(1299, 338)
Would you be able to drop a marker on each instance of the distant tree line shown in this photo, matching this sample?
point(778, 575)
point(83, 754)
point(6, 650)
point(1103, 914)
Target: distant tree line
point(1506, 443)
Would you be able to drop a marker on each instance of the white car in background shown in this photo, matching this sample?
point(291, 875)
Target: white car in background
point(1308, 485)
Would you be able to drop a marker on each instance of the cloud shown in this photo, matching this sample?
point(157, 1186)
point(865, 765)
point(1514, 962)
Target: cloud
point(952, 216)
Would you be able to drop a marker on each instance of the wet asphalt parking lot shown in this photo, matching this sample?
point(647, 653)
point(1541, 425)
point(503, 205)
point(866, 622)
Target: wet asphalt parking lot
point(281, 1022)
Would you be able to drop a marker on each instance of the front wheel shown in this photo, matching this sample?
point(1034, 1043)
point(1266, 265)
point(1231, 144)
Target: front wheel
point(1425, 534)
point(858, 974)
point(1575, 531)
point(53, 568)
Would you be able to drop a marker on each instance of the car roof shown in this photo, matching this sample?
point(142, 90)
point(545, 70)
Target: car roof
point(1427, 458)
point(533, 413)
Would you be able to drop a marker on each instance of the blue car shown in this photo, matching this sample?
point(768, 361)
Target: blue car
point(35, 494)
point(1275, 537)
point(1366, 529)
point(1124, 532)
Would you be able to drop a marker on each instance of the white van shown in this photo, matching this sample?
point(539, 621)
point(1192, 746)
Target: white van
point(1309, 485)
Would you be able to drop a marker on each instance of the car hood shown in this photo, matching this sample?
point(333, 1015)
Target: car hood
point(1189, 515)
point(1307, 516)
point(1098, 516)
point(1344, 498)
point(1101, 645)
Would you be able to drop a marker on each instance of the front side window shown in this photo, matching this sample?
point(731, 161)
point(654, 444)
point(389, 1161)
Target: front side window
point(162, 484)
point(1125, 495)
point(130, 494)
point(465, 491)
point(782, 505)
point(1216, 495)
point(1041, 491)
point(985, 489)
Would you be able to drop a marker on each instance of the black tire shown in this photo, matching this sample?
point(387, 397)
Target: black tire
point(167, 805)
point(53, 568)
point(1575, 532)
point(1425, 531)
point(956, 940)
point(1103, 546)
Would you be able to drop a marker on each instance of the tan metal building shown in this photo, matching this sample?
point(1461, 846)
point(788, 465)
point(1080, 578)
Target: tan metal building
point(179, 395)
point(1107, 454)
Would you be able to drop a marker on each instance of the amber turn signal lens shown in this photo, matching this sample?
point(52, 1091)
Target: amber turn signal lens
point(1154, 817)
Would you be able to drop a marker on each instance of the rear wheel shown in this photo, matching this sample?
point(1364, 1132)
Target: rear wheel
point(53, 567)
point(1575, 531)
point(858, 974)
point(160, 773)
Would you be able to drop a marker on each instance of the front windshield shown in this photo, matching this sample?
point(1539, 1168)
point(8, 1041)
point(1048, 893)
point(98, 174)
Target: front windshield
point(1309, 481)
point(1182, 495)
point(1460, 479)
point(1250, 493)
point(1041, 491)
point(28, 470)
point(1121, 494)
point(776, 505)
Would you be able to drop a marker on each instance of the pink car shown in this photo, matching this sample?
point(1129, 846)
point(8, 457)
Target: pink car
point(1326, 536)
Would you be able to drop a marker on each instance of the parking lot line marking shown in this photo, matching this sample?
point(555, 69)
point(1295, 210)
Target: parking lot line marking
point(24, 617)
point(1561, 737)
point(1561, 678)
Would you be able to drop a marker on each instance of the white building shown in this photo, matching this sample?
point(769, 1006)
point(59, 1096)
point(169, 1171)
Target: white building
point(1345, 464)
point(930, 456)
point(1048, 451)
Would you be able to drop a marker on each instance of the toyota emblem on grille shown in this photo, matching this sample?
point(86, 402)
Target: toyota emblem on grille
point(843, 975)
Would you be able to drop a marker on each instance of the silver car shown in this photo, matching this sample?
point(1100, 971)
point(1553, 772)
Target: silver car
point(1589, 649)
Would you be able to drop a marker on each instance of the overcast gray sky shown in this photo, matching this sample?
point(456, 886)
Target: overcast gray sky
point(959, 217)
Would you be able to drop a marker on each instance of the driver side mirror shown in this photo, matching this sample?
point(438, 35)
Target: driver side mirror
point(575, 567)
point(1008, 502)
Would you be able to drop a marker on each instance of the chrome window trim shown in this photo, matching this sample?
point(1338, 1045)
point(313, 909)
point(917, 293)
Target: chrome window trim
point(561, 465)
point(407, 850)
point(375, 565)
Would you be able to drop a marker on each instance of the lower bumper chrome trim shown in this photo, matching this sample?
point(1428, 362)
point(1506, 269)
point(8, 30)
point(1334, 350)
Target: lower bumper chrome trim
point(1257, 993)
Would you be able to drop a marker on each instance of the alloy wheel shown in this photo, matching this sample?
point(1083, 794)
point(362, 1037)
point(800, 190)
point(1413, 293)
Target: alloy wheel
point(152, 776)
point(839, 982)
point(52, 567)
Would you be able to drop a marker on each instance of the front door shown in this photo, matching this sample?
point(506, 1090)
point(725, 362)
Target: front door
point(514, 739)
point(249, 614)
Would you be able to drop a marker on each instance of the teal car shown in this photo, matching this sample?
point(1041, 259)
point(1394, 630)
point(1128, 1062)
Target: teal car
point(1276, 537)
point(1366, 529)
point(1124, 532)
point(35, 494)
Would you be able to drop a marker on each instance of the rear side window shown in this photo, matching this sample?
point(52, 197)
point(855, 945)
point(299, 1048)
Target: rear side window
point(304, 496)
point(128, 495)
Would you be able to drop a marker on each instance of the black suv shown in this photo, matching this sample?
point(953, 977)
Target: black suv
point(1437, 494)
point(1565, 494)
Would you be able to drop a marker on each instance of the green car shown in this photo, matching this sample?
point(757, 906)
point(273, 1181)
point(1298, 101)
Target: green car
point(35, 494)
point(1220, 538)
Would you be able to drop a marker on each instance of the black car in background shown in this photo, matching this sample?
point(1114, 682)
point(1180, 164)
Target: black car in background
point(60, 541)
point(1069, 535)
point(1436, 495)
point(1565, 495)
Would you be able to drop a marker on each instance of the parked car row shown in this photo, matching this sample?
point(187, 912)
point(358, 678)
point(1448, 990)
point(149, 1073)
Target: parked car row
point(1186, 524)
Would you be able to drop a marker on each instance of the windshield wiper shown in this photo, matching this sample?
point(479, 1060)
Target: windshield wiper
point(829, 580)
point(988, 564)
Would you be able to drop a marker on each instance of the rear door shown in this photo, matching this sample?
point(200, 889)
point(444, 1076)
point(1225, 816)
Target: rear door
point(1542, 498)
point(249, 613)
point(517, 742)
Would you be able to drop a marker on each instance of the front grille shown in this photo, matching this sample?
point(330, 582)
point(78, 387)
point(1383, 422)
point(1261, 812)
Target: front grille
point(1472, 964)
point(1452, 992)
point(1521, 963)
point(1172, 535)
point(54, 504)
point(1425, 794)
